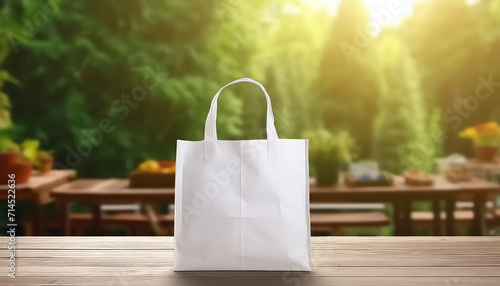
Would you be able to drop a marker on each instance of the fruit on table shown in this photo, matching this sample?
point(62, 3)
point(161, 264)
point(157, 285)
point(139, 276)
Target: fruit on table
point(169, 170)
point(414, 178)
point(417, 176)
point(149, 166)
point(167, 167)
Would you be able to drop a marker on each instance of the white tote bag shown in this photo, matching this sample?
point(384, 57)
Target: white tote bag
point(242, 205)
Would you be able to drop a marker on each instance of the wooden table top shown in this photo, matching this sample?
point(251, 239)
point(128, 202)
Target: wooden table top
point(336, 261)
point(38, 181)
point(118, 191)
point(111, 191)
point(441, 187)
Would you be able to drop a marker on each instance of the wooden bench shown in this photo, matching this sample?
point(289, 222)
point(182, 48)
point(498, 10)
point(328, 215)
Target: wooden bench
point(139, 224)
point(132, 223)
point(333, 222)
point(352, 207)
point(463, 219)
point(464, 215)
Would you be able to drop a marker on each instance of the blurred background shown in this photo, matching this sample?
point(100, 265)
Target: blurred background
point(388, 72)
point(106, 85)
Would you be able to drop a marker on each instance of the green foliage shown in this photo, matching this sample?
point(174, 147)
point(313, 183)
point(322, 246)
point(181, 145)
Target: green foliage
point(324, 145)
point(5, 121)
point(400, 124)
point(349, 86)
point(6, 144)
point(464, 43)
point(29, 150)
point(92, 54)
point(90, 63)
point(86, 62)
point(453, 44)
point(294, 67)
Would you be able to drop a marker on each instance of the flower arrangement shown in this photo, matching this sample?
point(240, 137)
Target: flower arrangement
point(17, 159)
point(485, 134)
point(486, 138)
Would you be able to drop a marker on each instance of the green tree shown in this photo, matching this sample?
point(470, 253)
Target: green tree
point(275, 42)
point(81, 63)
point(5, 120)
point(401, 122)
point(237, 43)
point(451, 49)
point(349, 86)
point(85, 62)
point(293, 67)
point(488, 12)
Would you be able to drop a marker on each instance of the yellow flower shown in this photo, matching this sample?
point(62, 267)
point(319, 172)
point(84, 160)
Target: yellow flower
point(470, 132)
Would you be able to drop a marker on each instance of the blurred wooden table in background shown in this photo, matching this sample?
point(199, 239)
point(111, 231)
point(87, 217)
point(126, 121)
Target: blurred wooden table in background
point(97, 192)
point(37, 192)
point(402, 196)
point(117, 191)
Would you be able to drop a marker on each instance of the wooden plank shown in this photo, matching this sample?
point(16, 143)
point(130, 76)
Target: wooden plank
point(327, 259)
point(367, 271)
point(334, 245)
point(111, 191)
point(431, 253)
point(319, 242)
point(323, 259)
point(38, 180)
point(331, 242)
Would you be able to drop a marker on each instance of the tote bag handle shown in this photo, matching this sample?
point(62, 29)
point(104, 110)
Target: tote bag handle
point(211, 128)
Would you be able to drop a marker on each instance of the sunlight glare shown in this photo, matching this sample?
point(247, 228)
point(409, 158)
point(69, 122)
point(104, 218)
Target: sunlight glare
point(383, 12)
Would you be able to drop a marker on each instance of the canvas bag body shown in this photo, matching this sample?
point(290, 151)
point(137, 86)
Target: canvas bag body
point(242, 205)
